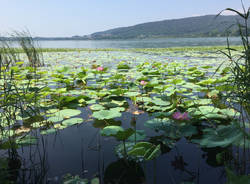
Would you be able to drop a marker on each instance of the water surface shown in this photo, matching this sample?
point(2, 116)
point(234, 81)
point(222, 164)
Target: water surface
point(143, 43)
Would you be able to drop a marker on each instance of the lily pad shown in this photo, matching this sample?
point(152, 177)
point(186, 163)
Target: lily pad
point(96, 107)
point(223, 136)
point(107, 114)
point(55, 119)
point(125, 134)
point(111, 130)
point(68, 113)
point(139, 135)
point(72, 121)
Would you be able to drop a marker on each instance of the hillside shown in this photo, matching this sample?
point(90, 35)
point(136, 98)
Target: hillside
point(208, 25)
point(200, 26)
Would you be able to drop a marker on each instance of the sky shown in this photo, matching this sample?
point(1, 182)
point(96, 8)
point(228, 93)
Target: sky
point(58, 18)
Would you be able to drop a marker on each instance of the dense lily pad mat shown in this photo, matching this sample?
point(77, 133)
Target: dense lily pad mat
point(178, 91)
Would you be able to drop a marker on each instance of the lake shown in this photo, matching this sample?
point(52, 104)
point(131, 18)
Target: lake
point(144, 43)
point(81, 149)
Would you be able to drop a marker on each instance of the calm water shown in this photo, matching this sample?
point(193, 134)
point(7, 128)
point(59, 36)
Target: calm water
point(145, 43)
point(80, 150)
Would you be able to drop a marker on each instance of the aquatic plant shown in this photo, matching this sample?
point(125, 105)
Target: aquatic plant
point(19, 97)
point(239, 67)
point(143, 83)
point(173, 92)
point(99, 68)
point(180, 116)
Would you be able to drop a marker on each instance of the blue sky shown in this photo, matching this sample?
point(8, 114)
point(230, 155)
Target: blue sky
point(81, 17)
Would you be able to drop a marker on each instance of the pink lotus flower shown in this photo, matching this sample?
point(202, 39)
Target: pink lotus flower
point(143, 83)
point(100, 68)
point(180, 116)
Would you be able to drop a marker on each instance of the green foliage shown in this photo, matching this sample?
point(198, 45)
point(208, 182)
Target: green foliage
point(235, 179)
point(239, 67)
point(123, 65)
point(107, 114)
point(72, 121)
point(111, 130)
point(222, 136)
point(67, 113)
point(69, 179)
point(103, 96)
point(145, 150)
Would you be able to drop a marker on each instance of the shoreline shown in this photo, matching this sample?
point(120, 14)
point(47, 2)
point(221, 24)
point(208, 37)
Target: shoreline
point(185, 48)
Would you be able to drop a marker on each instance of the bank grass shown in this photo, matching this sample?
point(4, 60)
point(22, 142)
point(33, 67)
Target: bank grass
point(169, 49)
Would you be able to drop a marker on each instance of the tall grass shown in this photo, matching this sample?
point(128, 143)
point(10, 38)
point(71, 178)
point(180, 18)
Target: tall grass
point(17, 97)
point(240, 66)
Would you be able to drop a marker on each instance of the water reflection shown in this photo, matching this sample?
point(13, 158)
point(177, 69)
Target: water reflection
point(81, 150)
point(24, 165)
point(124, 172)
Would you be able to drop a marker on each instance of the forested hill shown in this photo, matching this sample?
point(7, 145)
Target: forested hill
point(200, 26)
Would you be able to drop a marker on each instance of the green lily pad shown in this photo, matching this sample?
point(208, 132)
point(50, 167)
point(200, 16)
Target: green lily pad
point(223, 136)
point(132, 94)
point(96, 107)
point(125, 134)
point(72, 121)
point(188, 130)
point(55, 119)
point(160, 102)
point(69, 179)
point(68, 113)
point(107, 114)
point(139, 135)
point(111, 130)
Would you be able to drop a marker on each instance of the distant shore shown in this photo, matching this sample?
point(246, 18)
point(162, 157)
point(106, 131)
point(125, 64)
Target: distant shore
point(193, 48)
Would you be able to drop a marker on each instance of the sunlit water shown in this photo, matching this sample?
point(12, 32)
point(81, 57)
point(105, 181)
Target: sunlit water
point(143, 43)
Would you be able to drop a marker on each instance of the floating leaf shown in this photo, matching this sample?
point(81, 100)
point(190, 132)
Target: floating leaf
point(72, 121)
point(139, 135)
point(132, 94)
point(68, 179)
point(222, 136)
point(111, 130)
point(160, 102)
point(55, 119)
point(96, 107)
point(68, 113)
point(95, 181)
point(125, 134)
point(107, 114)
point(188, 130)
